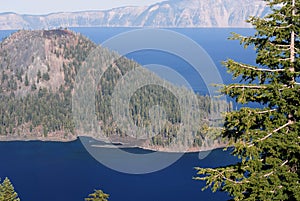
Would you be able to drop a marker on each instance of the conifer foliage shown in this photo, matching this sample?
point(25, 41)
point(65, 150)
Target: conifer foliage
point(98, 195)
point(7, 192)
point(266, 139)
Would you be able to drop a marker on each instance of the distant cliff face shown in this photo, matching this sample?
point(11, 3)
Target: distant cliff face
point(174, 13)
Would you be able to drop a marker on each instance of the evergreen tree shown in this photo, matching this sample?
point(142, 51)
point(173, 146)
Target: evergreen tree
point(46, 76)
point(26, 80)
point(33, 87)
point(7, 192)
point(266, 139)
point(39, 76)
point(98, 195)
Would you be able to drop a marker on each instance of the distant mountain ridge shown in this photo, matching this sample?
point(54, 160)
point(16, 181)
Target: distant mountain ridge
point(173, 13)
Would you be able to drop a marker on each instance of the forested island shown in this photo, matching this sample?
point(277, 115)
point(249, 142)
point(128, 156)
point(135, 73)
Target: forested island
point(38, 75)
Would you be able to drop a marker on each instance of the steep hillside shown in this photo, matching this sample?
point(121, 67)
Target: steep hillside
point(38, 69)
point(173, 13)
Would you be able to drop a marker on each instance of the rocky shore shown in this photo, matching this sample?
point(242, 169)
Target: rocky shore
point(115, 144)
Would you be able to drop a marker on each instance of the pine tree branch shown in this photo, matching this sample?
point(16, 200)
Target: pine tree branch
point(280, 47)
point(221, 173)
point(258, 69)
point(288, 45)
point(282, 27)
point(232, 181)
point(247, 86)
point(270, 173)
point(285, 59)
point(285, 162)
point(266, 111)
point(274, 131)
point(269, 135)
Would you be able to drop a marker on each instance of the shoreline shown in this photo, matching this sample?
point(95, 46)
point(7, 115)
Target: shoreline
point(31, 139)
point(114, 145)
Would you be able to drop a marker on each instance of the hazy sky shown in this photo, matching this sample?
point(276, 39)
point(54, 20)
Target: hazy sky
point(50, 6)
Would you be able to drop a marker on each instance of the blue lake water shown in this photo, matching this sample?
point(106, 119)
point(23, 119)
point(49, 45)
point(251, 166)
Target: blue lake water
point(52, 171)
